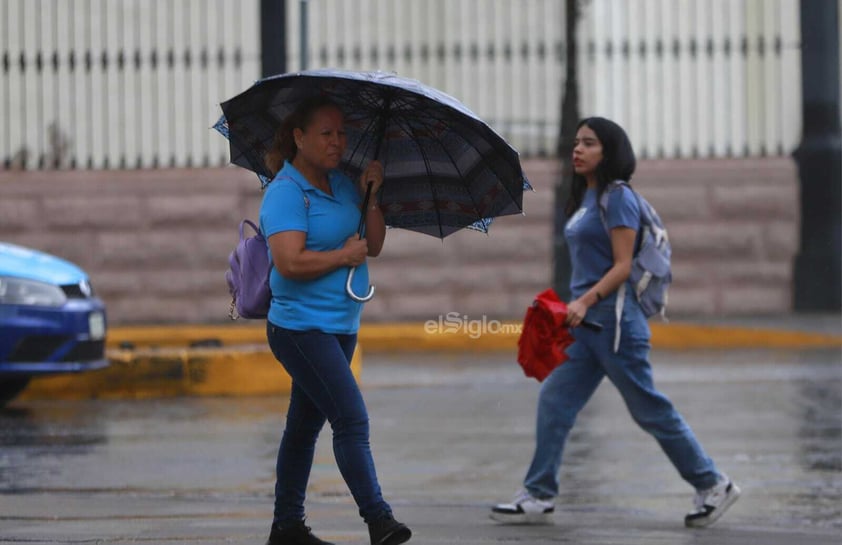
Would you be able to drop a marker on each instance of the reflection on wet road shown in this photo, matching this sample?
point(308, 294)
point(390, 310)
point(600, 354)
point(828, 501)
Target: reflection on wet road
point(450, 430)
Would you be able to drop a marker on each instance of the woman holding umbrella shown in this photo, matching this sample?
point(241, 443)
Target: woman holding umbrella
point(310, 214)
point(601, 262)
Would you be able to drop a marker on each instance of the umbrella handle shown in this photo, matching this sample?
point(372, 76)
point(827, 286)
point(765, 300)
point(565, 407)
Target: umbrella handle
point(350, 290)
point(593, 326)
point(360, 230)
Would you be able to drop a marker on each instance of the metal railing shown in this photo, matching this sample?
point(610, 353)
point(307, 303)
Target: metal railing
point(97, 84)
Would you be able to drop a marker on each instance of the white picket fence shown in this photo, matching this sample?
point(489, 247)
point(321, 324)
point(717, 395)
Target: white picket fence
point(134, 84)
point(709, 78)
point(137, 83)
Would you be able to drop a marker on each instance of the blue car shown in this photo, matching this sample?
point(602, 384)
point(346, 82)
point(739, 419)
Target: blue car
point(50, 320)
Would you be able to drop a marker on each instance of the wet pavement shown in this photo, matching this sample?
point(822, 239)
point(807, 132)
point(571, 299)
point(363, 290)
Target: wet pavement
point(451, 434)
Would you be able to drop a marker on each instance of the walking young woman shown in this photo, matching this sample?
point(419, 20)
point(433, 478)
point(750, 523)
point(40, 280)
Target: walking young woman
point(601, 263)
point(310, 213)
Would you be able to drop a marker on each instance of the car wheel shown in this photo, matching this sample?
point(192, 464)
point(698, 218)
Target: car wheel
point(11, 387)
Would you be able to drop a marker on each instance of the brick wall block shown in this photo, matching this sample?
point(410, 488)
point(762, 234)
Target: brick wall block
point(698, 239)
point(490, 278)
point(687, 273)
point(730, 270)
point(146, 249)
point(377, 310)
point(93, 212)
point(690, 172)
point(213, 308)
point(537, 205)
point(110, 284)
point(153, 308)
point(733, 272)
point(19, 213)
point(512, 242)
point(692, 301)
point(676, 203)
point(401, 244)
point(176, 282)
point(755, 200)
point(780, 240)
point(494, 277)
point(211, 245)
point(412, 306)
point(398, 277)
point(156, 248)
point(80, 249)
point(748, 300)
point(477, 305)
point(201, 209)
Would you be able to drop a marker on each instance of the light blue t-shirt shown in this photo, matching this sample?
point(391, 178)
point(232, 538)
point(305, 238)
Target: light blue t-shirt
point(588, 242)
point(290, 203)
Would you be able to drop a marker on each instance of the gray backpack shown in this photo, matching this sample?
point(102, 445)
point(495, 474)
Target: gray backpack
point(651, 273)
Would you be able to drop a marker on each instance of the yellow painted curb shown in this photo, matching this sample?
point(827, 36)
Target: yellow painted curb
point(502, 336)
point(174, 360)
point(693, 336)
point(170, 372)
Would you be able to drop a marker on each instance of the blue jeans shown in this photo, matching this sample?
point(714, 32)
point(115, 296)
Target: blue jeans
point(566, 390)
point(323, 388)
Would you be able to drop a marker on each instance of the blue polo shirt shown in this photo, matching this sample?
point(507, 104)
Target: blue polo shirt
point(290, 203)
point(588, 242)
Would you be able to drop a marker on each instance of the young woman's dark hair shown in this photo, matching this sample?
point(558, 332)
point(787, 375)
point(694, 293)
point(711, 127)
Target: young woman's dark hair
point(283, 146)
point(618, 161)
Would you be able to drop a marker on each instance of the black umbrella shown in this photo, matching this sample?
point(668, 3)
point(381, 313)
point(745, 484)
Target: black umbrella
point(445, 168)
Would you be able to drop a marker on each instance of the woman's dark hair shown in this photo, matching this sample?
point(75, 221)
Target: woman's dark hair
point(618, 161)
point(283, 146)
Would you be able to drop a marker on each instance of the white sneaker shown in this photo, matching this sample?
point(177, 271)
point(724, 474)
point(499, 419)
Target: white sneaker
point(524, 509)
point(712, 503)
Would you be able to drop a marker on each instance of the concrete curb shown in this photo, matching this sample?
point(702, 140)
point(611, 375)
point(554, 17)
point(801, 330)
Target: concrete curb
point(155, 372)
point(233, 359)
point(490, 336)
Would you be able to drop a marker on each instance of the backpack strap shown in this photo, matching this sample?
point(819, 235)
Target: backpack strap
point(253, 226)
point(620, 301)
point(257, 229)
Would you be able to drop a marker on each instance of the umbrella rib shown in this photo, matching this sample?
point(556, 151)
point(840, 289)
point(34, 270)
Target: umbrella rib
point(477, 214)
point(371, 122)
point(367, 102)
point(495, 149)
point(431, 114)
point(426, 160)
point(402, 123)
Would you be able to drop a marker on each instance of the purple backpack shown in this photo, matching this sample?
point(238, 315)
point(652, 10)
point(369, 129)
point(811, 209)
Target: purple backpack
point(248, 277)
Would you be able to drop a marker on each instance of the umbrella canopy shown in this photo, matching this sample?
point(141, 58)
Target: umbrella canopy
point(445, 169)
point(544, 337)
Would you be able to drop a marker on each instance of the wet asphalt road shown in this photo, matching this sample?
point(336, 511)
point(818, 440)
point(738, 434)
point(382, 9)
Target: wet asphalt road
point(452, 434)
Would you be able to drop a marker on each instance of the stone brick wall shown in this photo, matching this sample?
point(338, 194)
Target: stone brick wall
point(156, 242)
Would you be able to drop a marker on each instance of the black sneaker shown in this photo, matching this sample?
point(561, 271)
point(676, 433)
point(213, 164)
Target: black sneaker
point(299, 534)
point(388, 531)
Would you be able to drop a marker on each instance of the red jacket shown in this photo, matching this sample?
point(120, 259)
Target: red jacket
point(544, 336)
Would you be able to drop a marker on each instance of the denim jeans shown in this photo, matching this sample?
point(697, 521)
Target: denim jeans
point(323, 388)
point(566, 390)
